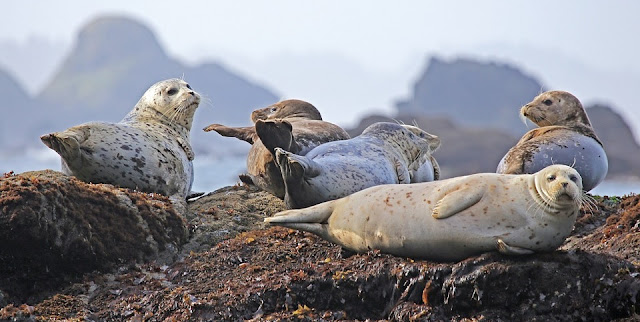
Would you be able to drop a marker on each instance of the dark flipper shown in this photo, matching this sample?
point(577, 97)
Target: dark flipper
point(276, 134)
point(247, 134)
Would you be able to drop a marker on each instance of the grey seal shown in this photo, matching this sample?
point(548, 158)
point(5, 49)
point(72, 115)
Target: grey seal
point(384, 153)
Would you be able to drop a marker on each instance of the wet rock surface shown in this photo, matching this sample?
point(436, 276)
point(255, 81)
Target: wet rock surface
point(234, 268)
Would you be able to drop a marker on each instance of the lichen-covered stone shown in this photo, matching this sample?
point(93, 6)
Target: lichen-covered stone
point(53, 228)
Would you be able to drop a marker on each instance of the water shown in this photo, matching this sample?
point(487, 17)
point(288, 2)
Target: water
point(212, 173)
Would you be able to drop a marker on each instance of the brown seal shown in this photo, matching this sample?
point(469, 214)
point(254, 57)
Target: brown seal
point(293, 125)
point(565, 136)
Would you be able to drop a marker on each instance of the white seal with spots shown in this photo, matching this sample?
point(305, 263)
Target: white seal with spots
point(148, 150)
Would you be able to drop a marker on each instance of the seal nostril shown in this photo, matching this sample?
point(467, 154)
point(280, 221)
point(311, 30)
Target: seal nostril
point(565, 184)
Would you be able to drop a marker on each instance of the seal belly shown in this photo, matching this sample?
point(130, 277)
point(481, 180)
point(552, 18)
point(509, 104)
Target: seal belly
point(578, 151)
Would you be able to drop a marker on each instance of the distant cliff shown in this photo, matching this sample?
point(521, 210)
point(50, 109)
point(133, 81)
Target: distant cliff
point(114, 60)
point(472, 93)
point(15, 104)
point(474, 107)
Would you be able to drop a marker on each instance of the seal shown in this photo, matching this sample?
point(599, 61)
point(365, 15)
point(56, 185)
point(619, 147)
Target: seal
point(452, 219)
point(384, 153)
point(565, 136)
point(292, 125)
point(148, 150)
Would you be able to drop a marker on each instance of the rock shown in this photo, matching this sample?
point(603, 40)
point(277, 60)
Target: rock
point(53, 228)
point(225, 213)
point(276, 273)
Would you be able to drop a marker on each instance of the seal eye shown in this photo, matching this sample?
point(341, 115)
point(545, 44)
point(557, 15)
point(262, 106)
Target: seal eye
point(172, 91)
point(573, 178)
point(547, 102)
point(188, 86)
point(551, 177)
point(273, 109)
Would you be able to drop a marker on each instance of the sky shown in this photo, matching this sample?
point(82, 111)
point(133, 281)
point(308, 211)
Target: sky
point(377, 47)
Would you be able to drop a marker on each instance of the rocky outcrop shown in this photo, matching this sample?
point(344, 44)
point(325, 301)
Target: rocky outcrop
point(622, 149)
point(234, 268)
point(472, 93)
point(54, 228)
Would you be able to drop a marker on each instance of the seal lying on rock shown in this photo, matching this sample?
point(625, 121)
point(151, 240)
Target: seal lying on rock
point(565, 136)
point(293, 125)
point(148, 150)
point(451, 219)
point(384, 153)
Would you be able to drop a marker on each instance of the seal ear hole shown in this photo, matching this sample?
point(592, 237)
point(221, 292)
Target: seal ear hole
point(551, 177)
point(547, 102)
point(172, 91)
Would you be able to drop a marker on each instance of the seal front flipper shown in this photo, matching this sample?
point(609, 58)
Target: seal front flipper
point(505, 249)
point(457, 200)
point(247, 134)
point(276, 134)
point(187, 148)
point(401, 171)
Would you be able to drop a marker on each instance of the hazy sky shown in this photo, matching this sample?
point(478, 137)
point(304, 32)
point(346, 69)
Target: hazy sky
point(388, 39)
point(377, 33)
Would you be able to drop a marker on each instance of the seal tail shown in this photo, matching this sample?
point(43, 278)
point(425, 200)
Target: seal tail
point(313, 219)
point(65, 143)
point(276, 134)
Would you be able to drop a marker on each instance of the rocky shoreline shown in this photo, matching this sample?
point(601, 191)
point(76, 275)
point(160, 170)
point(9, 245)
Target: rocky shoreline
point(78, 251)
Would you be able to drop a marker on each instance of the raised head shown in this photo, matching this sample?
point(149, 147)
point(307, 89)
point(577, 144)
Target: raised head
point(170, 101)
point(287, 109)
point(555, 108)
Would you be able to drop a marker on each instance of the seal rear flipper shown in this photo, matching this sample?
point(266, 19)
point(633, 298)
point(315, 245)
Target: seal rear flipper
point(456, 201)
point(504, 248)
point(65, 143)
point(247, 134)
point(313, 219)
point(276, 134)
point(295, 167)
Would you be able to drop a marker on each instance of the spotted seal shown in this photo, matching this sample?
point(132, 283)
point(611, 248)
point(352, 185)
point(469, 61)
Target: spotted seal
point(293, 125)
point(451, 219)
point(565, 136)
point(148, 150)
point(384, 153)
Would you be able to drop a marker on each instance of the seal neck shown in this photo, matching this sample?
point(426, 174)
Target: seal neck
point(147, 114)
